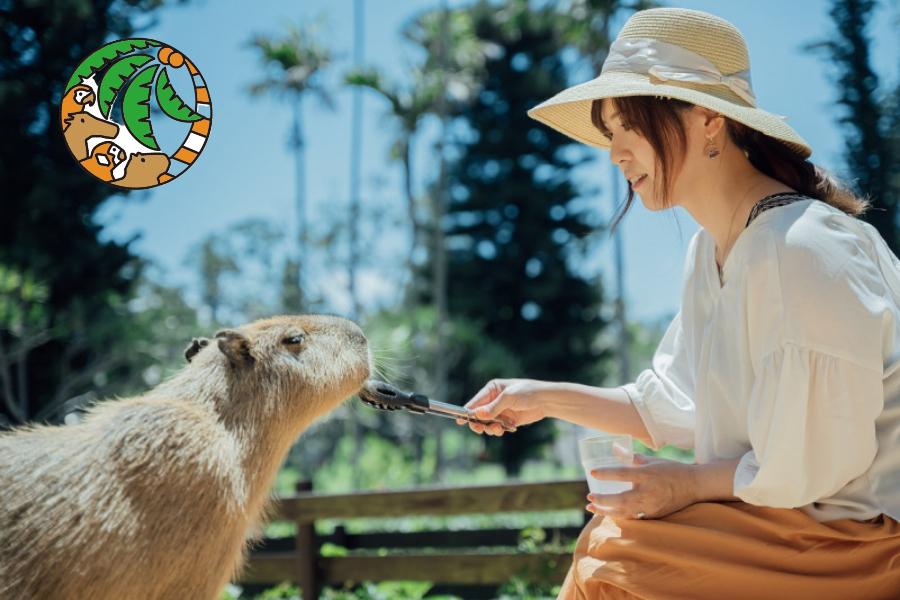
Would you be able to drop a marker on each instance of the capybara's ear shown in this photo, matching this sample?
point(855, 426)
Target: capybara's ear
point(196, 345)
point(236, 347)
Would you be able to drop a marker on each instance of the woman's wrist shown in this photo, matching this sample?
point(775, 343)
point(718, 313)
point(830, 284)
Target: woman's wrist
point(603, 409)
point(714, 481)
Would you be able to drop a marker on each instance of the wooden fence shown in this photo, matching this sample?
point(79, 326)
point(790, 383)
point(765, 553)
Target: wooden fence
point(470, 559)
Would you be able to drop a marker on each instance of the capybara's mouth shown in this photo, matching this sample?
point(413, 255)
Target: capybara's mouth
point(382, 395)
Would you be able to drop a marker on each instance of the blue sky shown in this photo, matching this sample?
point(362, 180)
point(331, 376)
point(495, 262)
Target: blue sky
point(246, 169)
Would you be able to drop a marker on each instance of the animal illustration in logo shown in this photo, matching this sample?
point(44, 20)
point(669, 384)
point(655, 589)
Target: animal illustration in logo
point(118, 82)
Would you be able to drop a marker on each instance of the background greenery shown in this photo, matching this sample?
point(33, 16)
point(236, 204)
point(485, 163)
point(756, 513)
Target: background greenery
point(83, 319)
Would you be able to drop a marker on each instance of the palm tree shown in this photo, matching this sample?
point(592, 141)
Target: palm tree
point(407, 106)
point(456, 76)
point(293, 64)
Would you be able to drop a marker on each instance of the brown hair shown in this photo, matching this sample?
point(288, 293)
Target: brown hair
point(658, 120)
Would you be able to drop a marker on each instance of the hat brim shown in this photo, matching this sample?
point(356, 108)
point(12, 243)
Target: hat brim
point(569, 111)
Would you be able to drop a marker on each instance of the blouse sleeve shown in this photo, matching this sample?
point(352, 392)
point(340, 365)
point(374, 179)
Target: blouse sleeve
point(821, 319)
point(662, 394)
point(811, 426)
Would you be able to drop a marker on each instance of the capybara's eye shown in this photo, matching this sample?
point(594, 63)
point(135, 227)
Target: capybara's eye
point(82, 119)
point(293, 340)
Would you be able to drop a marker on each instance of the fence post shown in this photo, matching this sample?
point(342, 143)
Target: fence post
point(307, 552)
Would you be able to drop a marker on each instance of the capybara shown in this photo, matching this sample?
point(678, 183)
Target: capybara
point(154, 496)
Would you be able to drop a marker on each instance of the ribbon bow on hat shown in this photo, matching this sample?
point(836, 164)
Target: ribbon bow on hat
point(670, 62)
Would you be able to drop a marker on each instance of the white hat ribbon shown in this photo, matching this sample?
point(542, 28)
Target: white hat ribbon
point(671, 62)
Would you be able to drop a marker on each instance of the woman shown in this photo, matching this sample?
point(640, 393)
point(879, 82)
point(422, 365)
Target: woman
point(781, 370)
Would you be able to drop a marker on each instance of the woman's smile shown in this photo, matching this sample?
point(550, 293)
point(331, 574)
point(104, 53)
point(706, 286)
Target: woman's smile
point(638, 182)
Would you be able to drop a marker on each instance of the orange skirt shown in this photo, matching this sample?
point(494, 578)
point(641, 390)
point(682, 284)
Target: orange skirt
point(735, 550)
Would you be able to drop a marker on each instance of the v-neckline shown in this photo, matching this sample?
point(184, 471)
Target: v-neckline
point(719, 284)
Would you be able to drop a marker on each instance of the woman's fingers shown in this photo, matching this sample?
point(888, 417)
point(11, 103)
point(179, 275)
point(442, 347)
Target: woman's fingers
point(488, 428)
point(476, 427)
point(490, 391)
point(494, 429)
point(484, 405)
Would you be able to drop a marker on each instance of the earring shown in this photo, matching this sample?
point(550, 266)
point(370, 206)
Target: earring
point(710, 149)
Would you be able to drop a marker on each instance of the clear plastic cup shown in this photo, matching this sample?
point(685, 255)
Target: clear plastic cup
point(597, 451)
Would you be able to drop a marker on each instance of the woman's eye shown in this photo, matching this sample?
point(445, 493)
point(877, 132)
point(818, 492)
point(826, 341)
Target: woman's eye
point(294, 339)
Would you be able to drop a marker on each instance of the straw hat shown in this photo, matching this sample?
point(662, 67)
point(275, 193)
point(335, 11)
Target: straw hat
point(678, 53)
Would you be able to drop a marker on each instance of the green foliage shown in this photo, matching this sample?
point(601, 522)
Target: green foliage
point(328, 549)
point(103, 56)
point(235, 268)
point(520, 588)
point(334, 475)
point(411, 338)
point(293, 63)
point(48, 212)
point(668, 452)
point(869, 116)
point(117, 74)
point(586, 25)
point(455, 55)
point(382, 465)
point(21, 297)
point(387, 590)
point(136, 107)
point(171, 103)
point(24, 317)
point(514, 229)
point(285, 591)
point(162, 324)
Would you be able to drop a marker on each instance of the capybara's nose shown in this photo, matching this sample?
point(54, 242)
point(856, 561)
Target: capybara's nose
point(354, 332)
point(350, 329)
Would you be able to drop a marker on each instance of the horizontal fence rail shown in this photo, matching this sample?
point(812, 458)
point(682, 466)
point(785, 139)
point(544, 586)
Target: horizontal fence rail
point(463, 557)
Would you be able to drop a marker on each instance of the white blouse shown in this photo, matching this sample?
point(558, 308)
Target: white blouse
point(793, 364)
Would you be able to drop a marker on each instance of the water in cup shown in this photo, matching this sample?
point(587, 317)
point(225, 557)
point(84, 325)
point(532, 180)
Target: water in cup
point(599, 486)
point(598, 452)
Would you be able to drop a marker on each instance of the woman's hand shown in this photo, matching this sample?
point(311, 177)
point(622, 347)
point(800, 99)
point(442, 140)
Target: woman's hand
point(661, 487)
point(517, 402)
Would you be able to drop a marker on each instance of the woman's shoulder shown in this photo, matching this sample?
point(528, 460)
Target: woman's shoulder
point(822, 272)
point(811, 238)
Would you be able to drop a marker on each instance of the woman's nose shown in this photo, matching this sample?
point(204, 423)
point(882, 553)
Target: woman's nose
point(617, 152)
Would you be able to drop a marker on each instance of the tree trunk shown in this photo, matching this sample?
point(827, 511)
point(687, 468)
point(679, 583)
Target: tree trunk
point(300, 199)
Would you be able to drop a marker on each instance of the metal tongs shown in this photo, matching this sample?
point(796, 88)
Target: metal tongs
point(384, 396)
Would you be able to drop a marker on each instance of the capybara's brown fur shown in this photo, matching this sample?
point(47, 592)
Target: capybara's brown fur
point(154, 496)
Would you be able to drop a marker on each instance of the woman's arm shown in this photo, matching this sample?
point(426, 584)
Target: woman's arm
point(714, 481)
point(605, 409)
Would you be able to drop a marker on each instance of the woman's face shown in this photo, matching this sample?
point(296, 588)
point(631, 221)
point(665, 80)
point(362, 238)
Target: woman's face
point(634, 156)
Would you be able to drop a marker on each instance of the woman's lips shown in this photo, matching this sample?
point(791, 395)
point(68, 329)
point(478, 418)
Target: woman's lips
point(639, 182)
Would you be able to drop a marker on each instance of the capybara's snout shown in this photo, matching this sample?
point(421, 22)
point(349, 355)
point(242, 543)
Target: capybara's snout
point(351, 331)
point(352, 337)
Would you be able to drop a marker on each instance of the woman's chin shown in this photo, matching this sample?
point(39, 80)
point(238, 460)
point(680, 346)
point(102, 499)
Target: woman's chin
point(649, 204)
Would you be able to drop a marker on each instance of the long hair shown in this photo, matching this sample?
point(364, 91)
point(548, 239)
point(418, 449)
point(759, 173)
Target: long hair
point(658, 120)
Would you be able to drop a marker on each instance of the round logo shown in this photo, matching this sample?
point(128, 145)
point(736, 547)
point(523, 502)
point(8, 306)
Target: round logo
point(108, 123)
